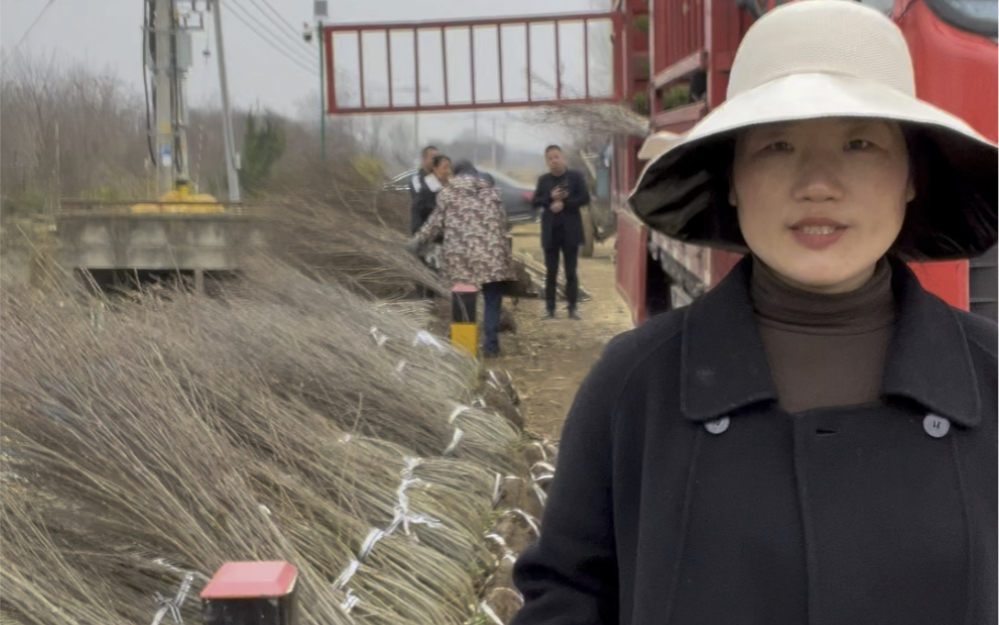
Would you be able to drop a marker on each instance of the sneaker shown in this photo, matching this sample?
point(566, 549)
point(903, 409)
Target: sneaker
point(574, 315)
point(548, 315)
point(491, 353)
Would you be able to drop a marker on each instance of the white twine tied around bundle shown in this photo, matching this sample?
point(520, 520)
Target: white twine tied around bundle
point(459, 434)
point(403, 518)
point(173, 606)
point(425, 338)
point(531, 521)
point(498, 484)
point(508, 554)
point(379, 336)
point(488, 610)
point(541, 473)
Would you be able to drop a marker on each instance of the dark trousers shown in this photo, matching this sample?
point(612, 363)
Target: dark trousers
point(492, 294)
point(570, 254)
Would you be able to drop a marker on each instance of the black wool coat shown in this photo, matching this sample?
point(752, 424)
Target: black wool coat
point(685, 496)
point(565, 228)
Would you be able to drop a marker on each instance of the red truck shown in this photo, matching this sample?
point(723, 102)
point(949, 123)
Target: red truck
point(673, 58)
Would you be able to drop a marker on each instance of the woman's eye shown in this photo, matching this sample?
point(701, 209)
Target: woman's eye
point(858, 144)
point(778, 146)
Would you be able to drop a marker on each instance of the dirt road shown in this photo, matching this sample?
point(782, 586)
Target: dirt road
point(549, 359)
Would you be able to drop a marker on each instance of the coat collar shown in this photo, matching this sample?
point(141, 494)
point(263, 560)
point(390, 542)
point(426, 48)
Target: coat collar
point(724, 366)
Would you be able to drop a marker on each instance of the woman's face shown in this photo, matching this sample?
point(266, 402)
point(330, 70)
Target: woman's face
point(821, 201)
point(443, 171)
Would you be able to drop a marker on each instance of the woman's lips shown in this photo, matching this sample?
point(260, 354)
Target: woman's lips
point(817, 233)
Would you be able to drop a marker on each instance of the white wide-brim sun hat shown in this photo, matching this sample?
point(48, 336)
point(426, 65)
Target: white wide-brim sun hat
point(657, 144)
point(817, 59)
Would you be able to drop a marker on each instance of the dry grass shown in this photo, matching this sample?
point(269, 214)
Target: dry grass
point(145, 439)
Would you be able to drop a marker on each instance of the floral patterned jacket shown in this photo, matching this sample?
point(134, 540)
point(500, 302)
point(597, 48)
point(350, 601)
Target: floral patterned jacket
point(470, 215)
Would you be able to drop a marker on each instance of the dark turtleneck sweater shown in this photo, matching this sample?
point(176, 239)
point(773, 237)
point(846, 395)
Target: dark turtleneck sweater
point(824, 350)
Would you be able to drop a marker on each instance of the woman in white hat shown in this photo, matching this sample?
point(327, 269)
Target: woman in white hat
point(814, 440)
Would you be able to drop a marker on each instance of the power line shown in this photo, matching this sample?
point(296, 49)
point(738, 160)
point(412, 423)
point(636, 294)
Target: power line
point(26, 33)
point(299, 63)
point(275, 38)
point(280, 17)
point(305, 57)
point(296, 34)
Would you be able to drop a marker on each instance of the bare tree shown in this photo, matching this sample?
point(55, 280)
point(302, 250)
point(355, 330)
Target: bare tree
point(88, 122)
point(72, 132)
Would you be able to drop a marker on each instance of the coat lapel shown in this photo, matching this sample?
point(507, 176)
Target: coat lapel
point(724, 366)
point(929, 361)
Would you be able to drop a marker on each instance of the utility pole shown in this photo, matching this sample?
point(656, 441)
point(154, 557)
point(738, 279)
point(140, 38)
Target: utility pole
point(320, 12)
point(230, 141)
point(163, 27)
point(183, 60)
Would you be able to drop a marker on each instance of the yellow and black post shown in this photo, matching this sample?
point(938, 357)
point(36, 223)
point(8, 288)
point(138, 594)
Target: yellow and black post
point(464, 322)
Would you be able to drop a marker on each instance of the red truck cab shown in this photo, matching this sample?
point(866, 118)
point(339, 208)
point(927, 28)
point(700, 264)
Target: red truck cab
point(690, 46)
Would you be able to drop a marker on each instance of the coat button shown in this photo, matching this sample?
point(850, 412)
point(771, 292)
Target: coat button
point(716, 426)
point(935, 426)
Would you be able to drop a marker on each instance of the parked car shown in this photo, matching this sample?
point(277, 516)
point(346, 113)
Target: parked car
point(517, 197)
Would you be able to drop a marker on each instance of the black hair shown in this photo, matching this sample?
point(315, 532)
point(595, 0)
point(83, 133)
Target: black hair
point(440, 158)
point(464, 167)
point(424, 151)
point(929, 232)
point(552, 147)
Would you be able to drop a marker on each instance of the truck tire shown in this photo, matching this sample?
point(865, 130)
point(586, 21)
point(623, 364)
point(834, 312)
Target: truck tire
point(589, 232)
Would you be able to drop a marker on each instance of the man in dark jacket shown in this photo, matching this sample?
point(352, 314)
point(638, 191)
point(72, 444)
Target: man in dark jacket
point(560, 195)
point(420, 193)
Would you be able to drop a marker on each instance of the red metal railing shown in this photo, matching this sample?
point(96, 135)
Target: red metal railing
point(563, 96)
point(685, 37)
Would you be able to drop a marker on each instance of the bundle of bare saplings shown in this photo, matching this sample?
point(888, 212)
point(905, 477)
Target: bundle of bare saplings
point(330, 221)
point(148, 441)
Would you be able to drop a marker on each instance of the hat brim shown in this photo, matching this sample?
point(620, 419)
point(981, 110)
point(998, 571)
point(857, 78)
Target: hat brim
point(683, 193)
point(657, 144)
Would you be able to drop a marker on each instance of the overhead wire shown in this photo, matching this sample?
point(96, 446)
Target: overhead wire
point(300, 44)
point(13, 50)
point(296, 34)
point(270, 6)
point(274, 41)
point(298, 63)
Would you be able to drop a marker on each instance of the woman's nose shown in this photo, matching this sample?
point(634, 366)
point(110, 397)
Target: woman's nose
point(818, 178)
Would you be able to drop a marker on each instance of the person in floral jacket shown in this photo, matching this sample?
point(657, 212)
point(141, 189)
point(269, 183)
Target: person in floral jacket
point(471, 218)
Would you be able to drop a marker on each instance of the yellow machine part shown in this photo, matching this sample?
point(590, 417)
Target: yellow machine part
point(181, 200)
point(466, 335)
